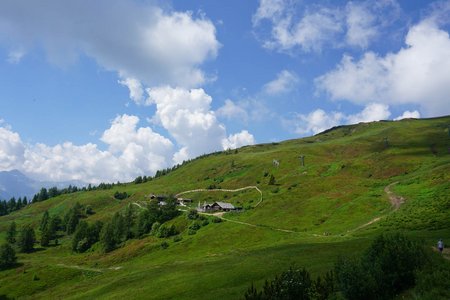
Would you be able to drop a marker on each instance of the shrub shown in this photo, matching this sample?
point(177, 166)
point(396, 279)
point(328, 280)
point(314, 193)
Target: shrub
point(120, 196)
point(433, 282)
point(166, 231)
point(177, 238)
point(164, 245)
point(192, 214)
point(291, 284)
point(194, 226)
point(155, 228)
point(353, 280)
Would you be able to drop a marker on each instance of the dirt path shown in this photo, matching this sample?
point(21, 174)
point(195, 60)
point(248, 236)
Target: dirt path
point(395, 200)
point(226, 190)
point(80, 268)
point(88, 269)
point(220, 216)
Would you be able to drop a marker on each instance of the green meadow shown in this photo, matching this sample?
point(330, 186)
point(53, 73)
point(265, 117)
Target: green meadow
point(310, 215)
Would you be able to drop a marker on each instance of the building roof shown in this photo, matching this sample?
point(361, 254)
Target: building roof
point(225, 205)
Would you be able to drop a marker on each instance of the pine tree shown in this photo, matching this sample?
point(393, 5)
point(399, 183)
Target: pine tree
point(79, 240)
point(19, 203)
point(7, 255)
point(143, 225)
point(12, 204)
point(27, 239)
point(44, 220)
point(3, 208)
point(43, 195)
point(72, 218)
point(119, 229)
point(45, 236)
point(107, 238)
point(11, 233)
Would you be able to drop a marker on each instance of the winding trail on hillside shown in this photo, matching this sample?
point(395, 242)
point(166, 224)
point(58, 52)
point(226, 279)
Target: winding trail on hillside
point(220, 216)
point(226, 190)
point(396, 202)
point(82, 268)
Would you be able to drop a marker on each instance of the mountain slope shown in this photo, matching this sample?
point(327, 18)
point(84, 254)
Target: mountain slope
point(15, 184)
point(310, 216)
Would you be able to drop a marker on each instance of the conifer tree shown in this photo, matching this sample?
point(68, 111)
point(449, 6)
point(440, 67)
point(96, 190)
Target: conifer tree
point(11, 233)
point(107, 238)
point(7, 255)
point(26, 239)
point(44, 220)
point(79, 240)
point(43, 195)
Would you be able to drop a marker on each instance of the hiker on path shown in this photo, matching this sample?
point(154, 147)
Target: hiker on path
point(440, 245)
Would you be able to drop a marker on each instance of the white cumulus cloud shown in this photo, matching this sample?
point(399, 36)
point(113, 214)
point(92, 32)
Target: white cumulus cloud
point(11, 149)
point(417, 74)
point(408, 114)
point(284, 82)
point(137, 39)
point(135, 88)
point(231, 110)
point(237, 140)
point(132, 151)
point(320, 120)
point(187, 116)
point(291, 24)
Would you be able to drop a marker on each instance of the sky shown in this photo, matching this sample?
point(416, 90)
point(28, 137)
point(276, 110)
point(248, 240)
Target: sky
point(106, 90)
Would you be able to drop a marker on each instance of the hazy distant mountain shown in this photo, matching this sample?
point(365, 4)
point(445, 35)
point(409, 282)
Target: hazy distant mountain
point(16, 184)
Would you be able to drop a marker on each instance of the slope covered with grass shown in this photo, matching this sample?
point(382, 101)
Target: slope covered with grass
point(333, 205)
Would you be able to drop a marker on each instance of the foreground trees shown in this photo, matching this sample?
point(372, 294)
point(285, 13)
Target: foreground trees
point(392, 264)
point(385, 269)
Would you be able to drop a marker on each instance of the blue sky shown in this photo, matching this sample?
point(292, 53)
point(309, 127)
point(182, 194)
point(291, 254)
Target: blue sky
point(108, 90)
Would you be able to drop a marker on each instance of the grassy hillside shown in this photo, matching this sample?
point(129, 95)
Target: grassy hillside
point(333, 205)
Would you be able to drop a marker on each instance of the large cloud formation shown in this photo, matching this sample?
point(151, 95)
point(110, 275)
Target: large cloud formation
point(131, 151)
point(187, 116)
point(138, 40)
point(417, 74)
point(310, 28)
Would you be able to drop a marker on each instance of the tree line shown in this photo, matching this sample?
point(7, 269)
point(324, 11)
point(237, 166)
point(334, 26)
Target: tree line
point(13, 204)
point(7, 207)
point(391, 265)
